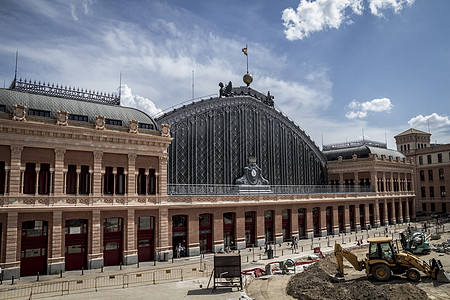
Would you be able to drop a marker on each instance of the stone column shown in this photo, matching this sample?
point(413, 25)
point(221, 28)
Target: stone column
point(11, 267)
point(15, 176)
point(278, 225)
point(294, 222)
point(97, 180)
point(357, 218)
point(374, 180)
point(356, 180)
point(408, 219)
point(56, 262)
point(36, 189)
point(383, 184)
point(95, 257)
point(240, 229)
point(59, 172)
point(386, 215)
point(347, 219)
point(400, 208)
point(394, 220)
point(335, 220)
point(309, 223)
point(323, 221)
point(218, 232)
point(341, 178)
point(163, 243)
point(131, 175)
point(6, 183)
point(131, 252)
point(376, 211)
point(162, 176)
point(260, 227)
point(366, 216)
point(193, 234)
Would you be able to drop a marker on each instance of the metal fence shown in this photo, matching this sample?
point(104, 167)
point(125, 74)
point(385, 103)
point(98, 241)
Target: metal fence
point(223, 189)
point(64, 287)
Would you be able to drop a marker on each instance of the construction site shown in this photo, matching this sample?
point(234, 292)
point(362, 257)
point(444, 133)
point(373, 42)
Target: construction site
point(312, 270)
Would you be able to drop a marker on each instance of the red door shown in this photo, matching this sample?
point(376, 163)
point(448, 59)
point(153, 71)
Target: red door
point(112, 241)
point(286, 224)
point(316, 220)
point(301, 222)
point(362, 216)
point(268, 225)
point(352, 217)
point(33, 254)
point(329, 218)
point(75, 244)
point(249, 228)
point(145, 235)
point(341, 218)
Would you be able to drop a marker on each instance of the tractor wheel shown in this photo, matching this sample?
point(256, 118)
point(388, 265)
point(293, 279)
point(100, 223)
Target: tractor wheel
point(413, 274)
point(381, 272)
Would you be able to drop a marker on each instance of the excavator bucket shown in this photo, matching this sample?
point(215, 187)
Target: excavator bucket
point(441, 275)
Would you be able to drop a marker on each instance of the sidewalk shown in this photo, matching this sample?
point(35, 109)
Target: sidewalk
point(251, 257)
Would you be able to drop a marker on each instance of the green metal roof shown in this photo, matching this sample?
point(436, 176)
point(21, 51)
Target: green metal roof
point(76, 107)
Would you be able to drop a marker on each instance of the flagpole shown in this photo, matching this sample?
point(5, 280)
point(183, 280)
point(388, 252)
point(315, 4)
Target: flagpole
point(246, 46)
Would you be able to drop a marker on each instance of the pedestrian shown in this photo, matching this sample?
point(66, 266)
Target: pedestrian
point(178, 250)
point(293, 242)
point(386, 227)
point(425, 226)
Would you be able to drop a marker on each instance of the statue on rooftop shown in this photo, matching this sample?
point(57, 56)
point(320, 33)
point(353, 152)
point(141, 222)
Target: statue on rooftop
point(225, 91)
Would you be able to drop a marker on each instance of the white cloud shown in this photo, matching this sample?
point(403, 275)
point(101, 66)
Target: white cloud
point(396, 5)
point(313, 16)
point(360, 110)
point(73, 12)
point(434, 120)
point(136, 101)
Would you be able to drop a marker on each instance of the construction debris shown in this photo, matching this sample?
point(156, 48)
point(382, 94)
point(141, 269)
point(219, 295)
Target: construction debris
point(318, 282)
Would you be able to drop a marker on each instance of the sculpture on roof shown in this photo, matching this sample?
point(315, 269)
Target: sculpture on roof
point(225, 91)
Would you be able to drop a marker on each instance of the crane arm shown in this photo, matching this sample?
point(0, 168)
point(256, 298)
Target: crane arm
point(341, 253)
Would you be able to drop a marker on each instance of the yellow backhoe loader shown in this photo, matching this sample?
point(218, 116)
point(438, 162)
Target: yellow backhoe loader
point(383, 260)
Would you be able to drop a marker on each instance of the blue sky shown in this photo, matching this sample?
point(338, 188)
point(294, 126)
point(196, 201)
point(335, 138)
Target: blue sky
point(338, 68)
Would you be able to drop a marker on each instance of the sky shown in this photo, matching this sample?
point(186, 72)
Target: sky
point(341, 69)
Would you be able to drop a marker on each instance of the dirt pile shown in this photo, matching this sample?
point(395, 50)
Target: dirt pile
point(318, 282)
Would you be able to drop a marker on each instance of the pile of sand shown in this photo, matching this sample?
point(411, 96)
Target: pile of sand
point(318, 282)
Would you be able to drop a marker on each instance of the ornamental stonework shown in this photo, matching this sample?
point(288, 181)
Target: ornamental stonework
point(19, 113)
point(165, 130)
point(62, 118)
point(133, 127)
point(100, 122)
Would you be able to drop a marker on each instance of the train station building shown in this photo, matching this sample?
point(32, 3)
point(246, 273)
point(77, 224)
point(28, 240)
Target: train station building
point(85, 182)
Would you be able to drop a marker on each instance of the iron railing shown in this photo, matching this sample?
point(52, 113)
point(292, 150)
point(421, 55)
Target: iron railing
point(223, 189)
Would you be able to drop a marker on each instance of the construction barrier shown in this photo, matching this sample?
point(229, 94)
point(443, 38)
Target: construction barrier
point(64, 287)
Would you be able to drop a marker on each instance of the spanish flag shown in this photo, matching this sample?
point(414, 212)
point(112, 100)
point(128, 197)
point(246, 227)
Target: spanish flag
point(244, 50)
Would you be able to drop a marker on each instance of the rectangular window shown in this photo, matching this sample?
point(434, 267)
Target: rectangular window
point(2, 177)
point(108, 184)
point(85, 181)
point(76, 226)
point(441, 174)
point(429, 159)
point(145, 126)
point(424, 207)
point(71, 180)
point(422, 175)
point(420, 160)
point(113, 225)
point(120, 181)
point(38, 113)
point(152, 182)
point(113, 122)
point(78, 118)
point(443, 194)
point(2, 108)
point(29, 179)
point(423, 192)
point(142, 182)
point(145, 223)
point(431, 192)
point(430, 175)
point(44, 179)
point(433, 207)
point(439, 157)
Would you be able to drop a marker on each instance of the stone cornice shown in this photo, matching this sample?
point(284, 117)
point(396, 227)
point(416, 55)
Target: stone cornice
point(42, 134)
